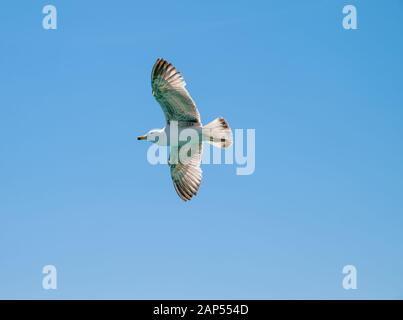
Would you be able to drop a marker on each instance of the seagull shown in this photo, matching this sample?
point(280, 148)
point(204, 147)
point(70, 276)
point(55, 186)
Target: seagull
point(168, 88)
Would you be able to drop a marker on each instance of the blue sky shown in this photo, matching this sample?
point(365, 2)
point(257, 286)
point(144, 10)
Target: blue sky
point(77, 192)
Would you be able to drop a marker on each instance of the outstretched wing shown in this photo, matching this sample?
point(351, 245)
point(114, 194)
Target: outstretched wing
point(186, 173)
point(169, 89)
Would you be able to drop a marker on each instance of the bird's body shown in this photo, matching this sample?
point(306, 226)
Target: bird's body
point(183, 118)
point(181, 127)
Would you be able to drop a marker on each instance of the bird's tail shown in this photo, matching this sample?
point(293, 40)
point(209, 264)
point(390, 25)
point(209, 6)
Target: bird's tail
point(218, 133)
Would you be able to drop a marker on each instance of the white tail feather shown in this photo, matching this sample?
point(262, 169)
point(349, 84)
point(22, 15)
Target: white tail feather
point(218, 133)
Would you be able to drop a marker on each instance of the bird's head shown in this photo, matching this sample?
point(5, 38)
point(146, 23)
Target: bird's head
point(153, 135)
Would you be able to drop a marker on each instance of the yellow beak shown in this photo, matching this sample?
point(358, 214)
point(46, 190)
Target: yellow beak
point(141, 138)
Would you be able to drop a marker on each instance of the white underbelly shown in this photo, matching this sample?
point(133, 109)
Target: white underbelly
point(182, 135)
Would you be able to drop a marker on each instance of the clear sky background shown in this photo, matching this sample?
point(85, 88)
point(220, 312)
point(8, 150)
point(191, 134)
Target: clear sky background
point(77, 192)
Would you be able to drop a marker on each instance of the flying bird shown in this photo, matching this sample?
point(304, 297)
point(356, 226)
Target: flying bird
point(168, 88)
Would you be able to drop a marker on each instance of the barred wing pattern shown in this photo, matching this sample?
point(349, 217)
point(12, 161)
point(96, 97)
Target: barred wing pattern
point(186, 174)
point(168, 88)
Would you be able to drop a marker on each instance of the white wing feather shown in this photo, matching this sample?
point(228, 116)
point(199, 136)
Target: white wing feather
point(169, 90)
point(186, 174)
